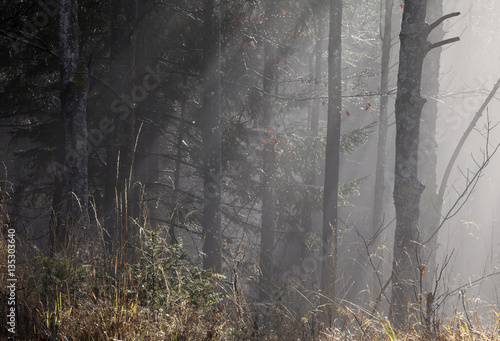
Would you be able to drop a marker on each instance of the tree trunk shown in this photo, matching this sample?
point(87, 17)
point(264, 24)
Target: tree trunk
point(268, 219)
point(331, 186)
point(407, 186)
point(211, 134)
point(74, 76)
point(380, 193)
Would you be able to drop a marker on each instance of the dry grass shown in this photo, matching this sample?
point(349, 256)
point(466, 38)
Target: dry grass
point(99, 310)
point(87, 297)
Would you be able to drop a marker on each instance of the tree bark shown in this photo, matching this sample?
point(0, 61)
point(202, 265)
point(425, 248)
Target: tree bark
point(211, 134)
point(407, 186)
point(331, 186)
point(74, 77)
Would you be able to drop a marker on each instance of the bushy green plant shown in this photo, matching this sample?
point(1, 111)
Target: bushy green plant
point(165, 275)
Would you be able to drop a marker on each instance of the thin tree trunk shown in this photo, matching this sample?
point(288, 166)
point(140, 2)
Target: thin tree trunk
point(74, 76)
point(380, 192)
point(331, 186)
point(432, 235)
point(460, 144)
point(211, 133)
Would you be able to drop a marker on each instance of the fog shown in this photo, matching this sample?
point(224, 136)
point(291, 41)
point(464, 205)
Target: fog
point(198, 128)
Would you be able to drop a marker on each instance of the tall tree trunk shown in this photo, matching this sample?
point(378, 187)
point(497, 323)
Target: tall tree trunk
point(379, 196)
point(407, 186)
point(430, 216)
point(268, 219)
point(211, 133)
point(331, 186)
point(120, 149)
point(74, 77)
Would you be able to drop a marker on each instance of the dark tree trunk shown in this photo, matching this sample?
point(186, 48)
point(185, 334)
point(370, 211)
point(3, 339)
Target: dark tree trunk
point(211, 133)
point(407, 186)
point(74, 78)
point(380, 192)
point(331, 186)
point(268, 222)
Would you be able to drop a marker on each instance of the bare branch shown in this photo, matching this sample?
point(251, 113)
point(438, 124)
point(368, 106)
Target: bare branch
point(443, 18)
point(443, 42)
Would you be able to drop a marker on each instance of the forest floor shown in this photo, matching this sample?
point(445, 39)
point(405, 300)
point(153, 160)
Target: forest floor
point(161, 295)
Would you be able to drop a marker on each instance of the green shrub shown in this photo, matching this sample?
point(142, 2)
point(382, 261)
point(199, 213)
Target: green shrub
point(165, 275)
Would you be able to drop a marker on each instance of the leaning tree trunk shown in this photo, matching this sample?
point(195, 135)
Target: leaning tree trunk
point(383, 124)
point(331, 186)
point(211, 134)
point(74, 78)
point(407, 186)
point(268, 218)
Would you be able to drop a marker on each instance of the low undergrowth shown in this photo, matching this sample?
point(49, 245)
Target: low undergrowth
point(162, 295)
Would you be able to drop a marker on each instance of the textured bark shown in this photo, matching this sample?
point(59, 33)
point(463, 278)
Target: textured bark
point(407, 186)
point(331, 186)
point(380, 192)
point(268, 219)
point(120, 149)
point(74, 76)
point(211, 134)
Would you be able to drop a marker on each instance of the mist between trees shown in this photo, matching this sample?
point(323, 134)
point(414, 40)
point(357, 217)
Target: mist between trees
point(250, 170)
